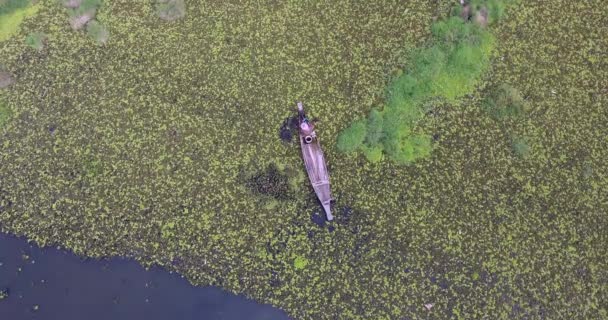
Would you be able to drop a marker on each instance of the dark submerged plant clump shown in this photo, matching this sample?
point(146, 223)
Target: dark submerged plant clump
point(270, 182)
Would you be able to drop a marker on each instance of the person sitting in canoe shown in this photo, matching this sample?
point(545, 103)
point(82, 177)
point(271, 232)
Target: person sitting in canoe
point(307, 127)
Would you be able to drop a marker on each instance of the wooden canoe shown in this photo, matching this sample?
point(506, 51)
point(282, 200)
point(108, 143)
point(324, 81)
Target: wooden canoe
point(314, 161)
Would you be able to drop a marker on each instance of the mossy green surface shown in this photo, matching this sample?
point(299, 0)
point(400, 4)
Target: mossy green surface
point(137, 148)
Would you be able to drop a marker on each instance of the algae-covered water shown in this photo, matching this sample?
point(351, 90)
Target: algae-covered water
point(146, 146)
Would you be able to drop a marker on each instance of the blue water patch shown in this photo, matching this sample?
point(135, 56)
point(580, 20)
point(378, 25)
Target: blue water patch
point(55, 284)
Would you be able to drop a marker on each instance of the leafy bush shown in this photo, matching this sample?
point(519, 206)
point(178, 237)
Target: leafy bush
point(352, 137)
point(505, 102)
point(171, 10)
point(36, 40)
point(300, 262)
point(98, 32)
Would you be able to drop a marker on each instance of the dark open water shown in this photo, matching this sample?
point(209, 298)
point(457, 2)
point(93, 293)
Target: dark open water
point(55, 284)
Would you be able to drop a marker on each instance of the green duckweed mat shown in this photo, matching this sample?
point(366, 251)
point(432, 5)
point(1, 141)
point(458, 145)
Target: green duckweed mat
point(142, 147)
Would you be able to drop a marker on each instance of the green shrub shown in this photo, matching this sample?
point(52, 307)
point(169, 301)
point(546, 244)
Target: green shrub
point(98, 32)
point(352, 137)
point(300, 262)
point(36, 40)
point(505, 102)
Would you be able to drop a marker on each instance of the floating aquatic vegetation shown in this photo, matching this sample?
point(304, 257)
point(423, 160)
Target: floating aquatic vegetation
point(140, 149)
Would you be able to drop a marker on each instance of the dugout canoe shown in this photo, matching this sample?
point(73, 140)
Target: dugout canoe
point(314, 161)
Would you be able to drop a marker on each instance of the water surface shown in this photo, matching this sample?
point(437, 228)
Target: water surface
point(55, 284)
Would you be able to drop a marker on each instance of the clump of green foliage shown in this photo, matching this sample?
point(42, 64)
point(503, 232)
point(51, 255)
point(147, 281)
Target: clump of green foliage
point(505, 101)
point(449, 68)
point(171, 10)
point(98, 32)
point(36, 40)
point(300, 262)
